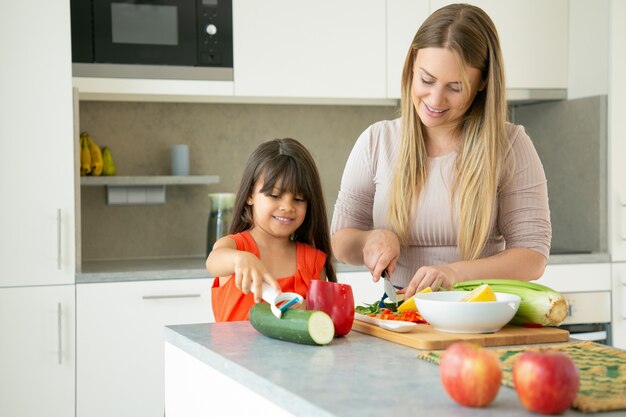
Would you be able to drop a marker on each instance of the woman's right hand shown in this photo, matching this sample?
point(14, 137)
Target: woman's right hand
point(381, 251)
point(250, 274)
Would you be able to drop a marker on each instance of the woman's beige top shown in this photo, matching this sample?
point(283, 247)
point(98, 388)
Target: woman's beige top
point(523, 219)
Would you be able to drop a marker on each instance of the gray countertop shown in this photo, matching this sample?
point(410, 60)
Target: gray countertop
point(155, 269)
point(353, 375)
point(193, 267)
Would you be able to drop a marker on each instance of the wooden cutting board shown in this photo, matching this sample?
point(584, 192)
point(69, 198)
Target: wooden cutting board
point(425, 337)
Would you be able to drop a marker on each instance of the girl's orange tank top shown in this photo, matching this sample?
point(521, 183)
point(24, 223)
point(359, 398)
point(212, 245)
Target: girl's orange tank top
point(230, 304)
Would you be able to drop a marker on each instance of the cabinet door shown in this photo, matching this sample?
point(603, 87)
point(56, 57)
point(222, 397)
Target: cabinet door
point(324, 48)
point(617, 132)
point(119, 368)
point(404, 17)
point(533, 36)
point(364, 289)
point(619, 305)
point(37, 355)
point(36, 145)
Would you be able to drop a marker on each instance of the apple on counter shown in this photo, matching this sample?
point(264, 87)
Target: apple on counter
point(470, 374)
point(546, 381)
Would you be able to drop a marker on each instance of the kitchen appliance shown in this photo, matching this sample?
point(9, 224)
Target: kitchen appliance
point(152, 38)
point(589, 316)
point(587, 288)
point(220, 216)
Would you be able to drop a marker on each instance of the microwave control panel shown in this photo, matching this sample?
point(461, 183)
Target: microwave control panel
point(215, 38)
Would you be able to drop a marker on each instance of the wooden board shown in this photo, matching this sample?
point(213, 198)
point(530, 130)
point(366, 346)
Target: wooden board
point(425, 337)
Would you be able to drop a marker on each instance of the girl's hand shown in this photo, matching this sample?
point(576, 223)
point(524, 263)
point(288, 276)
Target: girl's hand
point(434, 277)
point(380, 252)
point(250, 274)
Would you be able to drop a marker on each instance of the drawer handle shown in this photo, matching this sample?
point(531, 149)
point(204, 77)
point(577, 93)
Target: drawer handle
point(165, 297)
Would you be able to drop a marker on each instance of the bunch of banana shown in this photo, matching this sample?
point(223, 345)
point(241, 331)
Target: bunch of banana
point(91, 162)
point(85, 156)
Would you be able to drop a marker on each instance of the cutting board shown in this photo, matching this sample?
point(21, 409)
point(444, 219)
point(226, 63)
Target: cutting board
point(425, 337)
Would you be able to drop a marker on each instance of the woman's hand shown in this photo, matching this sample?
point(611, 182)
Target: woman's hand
point(434, 277)
point(380, 252)
point(250, 275)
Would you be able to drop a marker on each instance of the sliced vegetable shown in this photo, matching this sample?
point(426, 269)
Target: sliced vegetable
point(540, 304)
point(368, 309)
point(391, 305)
point(311, 327)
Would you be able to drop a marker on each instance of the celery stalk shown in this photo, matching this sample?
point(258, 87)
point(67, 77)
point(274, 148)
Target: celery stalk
point(539, 304)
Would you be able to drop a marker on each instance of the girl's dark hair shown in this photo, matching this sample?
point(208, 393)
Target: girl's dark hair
point(287, 160)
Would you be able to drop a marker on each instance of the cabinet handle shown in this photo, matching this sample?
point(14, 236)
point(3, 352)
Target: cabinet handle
point(59, 239)
point(163, 297)
point(60, 332)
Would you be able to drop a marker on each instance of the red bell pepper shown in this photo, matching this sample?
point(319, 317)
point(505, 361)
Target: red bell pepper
point(336, 300)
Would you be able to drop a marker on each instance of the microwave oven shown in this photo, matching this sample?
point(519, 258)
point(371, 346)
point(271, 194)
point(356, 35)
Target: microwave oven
point(189, 39)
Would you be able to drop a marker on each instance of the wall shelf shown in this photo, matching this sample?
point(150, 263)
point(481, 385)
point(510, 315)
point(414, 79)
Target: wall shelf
point(143, 189)
point(142, 180)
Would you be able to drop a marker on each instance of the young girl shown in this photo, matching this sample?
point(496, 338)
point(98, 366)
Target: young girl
point(279, 232)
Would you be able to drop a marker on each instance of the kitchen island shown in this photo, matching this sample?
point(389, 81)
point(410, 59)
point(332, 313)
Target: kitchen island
point(232, 368)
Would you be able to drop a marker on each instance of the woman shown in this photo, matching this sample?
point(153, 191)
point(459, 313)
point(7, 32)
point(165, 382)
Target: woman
point(450, 191)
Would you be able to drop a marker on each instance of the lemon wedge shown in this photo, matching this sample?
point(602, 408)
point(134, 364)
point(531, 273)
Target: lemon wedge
point(481, 293)
point(409, 305)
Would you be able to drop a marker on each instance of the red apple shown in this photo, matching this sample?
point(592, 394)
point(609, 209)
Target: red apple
point(546, 381)
point(470, 374)
point(336, 300)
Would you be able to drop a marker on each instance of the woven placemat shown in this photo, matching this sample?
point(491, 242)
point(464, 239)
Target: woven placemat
point(602, 372)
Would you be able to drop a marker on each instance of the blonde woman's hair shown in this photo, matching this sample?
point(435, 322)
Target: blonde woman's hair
point(470, 34)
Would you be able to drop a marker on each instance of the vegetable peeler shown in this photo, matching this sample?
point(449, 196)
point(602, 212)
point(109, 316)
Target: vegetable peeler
point(279, 303)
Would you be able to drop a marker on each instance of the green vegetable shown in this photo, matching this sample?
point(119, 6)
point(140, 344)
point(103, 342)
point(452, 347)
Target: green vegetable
point(391, 305)
point(540, 304)
point(311, 327)
point(367, 309)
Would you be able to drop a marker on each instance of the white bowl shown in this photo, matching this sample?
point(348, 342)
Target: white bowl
point(445, 312)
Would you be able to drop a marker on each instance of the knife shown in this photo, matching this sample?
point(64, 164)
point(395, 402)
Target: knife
point(389, 288)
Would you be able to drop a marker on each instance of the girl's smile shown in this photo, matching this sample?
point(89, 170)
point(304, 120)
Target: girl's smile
point(285, 220)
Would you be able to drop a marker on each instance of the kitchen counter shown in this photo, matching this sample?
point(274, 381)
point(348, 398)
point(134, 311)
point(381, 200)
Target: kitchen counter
point(353, 375)
point(193, 267)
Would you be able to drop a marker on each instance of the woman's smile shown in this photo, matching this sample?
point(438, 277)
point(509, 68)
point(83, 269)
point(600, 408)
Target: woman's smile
point(433, 112)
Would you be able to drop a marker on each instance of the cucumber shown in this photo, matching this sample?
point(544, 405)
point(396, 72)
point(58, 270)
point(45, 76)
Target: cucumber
point(391, 305)
point(309, 327)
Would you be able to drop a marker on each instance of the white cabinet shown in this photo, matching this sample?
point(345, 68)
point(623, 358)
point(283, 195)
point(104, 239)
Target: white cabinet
point(119, 367)
point(534, 40)
point(319, 49)
point(619, 305)
point(37, 354)
point(364, 290)
point(404, 17)
point(617, 132)
point(36, 145)
point(617, 163)
point(190, 382)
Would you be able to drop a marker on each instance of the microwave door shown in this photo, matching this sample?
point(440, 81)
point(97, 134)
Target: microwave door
point(150, 32)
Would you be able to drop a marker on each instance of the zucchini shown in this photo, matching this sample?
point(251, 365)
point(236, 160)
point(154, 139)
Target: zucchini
point(391, 305)
point(310, 327)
